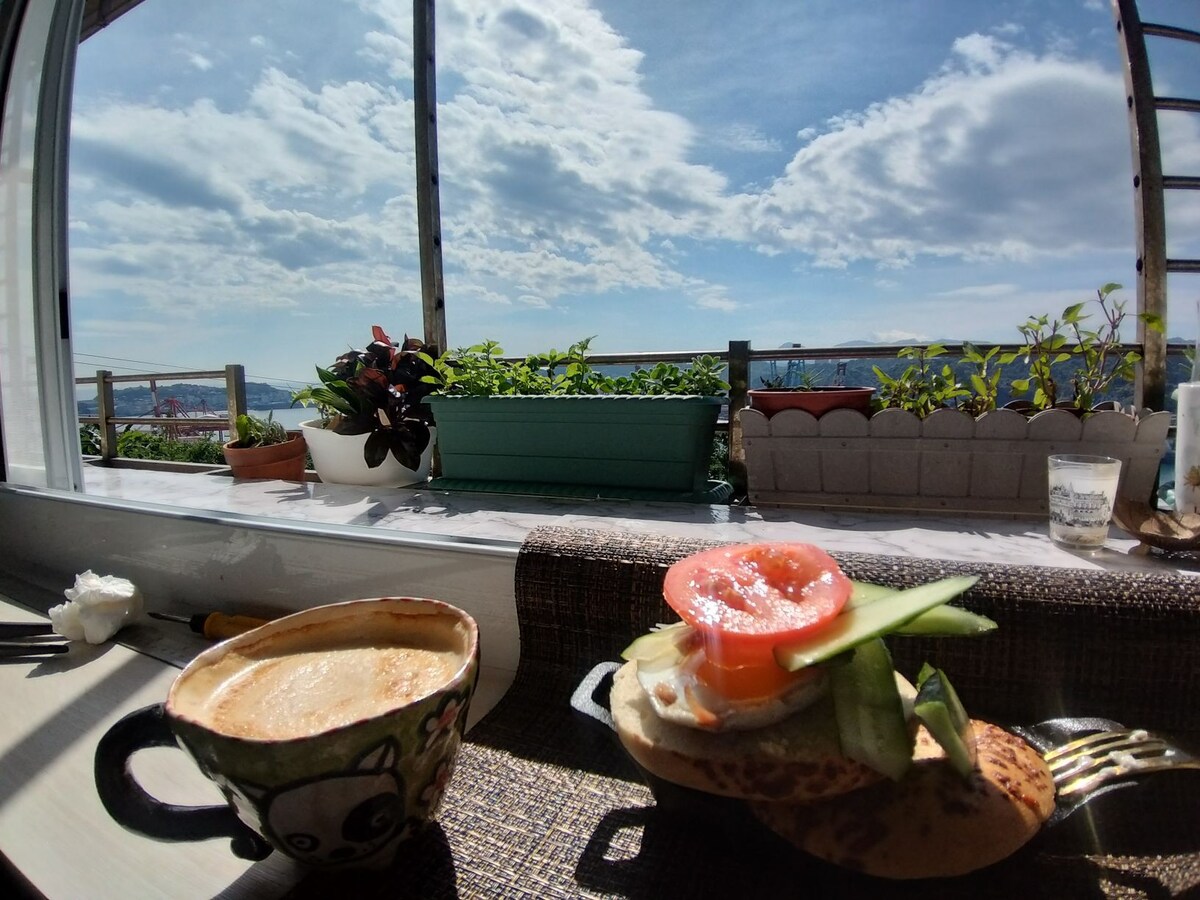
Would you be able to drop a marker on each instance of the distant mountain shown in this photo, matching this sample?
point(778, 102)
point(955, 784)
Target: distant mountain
point(191, 398)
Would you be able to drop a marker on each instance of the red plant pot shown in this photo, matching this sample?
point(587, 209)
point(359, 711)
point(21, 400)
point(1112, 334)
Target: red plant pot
point(818, 400)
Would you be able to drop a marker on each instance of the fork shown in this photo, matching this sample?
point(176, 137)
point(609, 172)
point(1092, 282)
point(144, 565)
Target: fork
point(1087, 763)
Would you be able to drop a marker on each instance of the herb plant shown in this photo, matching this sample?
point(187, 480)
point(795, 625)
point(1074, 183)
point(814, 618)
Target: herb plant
point(255, 432)
point(481, 371)
point(1097, 350)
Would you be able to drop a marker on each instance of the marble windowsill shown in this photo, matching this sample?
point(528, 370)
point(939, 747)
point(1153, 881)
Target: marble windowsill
point(506, 518)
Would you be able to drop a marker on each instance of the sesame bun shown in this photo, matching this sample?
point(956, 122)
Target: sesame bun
point(933, 823)
point(794, 761)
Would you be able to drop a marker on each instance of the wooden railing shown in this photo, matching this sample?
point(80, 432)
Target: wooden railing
point(106, 418)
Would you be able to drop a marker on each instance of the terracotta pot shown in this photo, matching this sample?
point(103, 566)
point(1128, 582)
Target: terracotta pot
point(283, 461)
point(818, 400)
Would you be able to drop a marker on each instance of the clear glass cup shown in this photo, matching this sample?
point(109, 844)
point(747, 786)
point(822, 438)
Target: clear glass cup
point(1083, 490)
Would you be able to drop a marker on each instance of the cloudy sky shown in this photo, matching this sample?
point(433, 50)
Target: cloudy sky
point(665, 175)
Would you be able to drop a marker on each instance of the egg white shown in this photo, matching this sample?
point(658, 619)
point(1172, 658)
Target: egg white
point(671, 683)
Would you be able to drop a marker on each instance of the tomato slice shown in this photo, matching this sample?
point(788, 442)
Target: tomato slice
point(746, 598)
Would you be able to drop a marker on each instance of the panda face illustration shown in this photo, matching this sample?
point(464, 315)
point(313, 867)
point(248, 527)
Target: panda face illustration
point(340, 817)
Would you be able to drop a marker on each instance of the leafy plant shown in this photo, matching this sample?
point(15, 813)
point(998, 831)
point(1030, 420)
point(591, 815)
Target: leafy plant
point(253, 431)
point(1096, 349)
point(923, 386)
point(481, 371)
point(378, 392)
point(89, 440)
point(145, 445)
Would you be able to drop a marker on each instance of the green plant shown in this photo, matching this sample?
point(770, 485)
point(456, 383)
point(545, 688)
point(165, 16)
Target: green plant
point(253, 431)
point(145, 445)
point(923, 386)
point(985, 379)
point(481, 371)
point(378, 392)
point(1096, 350)
point(89, 440)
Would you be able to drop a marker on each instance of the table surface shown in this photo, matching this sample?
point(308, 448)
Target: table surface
point(56, 709)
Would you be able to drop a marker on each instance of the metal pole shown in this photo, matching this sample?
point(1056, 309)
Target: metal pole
point(1149, 207)
point(429, 214)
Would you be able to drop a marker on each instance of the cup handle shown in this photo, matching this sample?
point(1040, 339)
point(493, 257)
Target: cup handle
point(131, 806)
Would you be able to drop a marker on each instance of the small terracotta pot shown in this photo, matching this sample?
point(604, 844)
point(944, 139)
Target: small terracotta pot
point(283, 461)
point(818, 400)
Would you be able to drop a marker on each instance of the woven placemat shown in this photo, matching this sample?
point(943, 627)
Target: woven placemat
point(545, 804)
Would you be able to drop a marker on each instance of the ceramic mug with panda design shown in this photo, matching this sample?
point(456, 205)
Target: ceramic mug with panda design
point(332, 732)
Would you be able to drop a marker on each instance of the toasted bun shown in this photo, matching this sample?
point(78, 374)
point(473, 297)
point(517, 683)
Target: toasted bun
point(796, 760)
point(933, 823)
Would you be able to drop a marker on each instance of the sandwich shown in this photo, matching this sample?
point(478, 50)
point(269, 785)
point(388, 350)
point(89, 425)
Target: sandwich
point(776, 688)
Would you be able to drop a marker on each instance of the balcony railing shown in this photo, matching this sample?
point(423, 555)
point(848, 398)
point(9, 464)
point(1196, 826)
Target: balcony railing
point(106, 418)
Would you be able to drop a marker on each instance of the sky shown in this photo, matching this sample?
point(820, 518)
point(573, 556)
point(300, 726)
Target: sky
point(663, 176)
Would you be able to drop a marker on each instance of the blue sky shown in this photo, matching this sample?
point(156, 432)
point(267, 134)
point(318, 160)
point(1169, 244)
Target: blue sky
point(660, 175)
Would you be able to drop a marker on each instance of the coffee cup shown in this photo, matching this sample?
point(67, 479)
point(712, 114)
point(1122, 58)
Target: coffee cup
point(332, 733)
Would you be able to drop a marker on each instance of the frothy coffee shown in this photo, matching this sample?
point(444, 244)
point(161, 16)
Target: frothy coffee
point(298, 686)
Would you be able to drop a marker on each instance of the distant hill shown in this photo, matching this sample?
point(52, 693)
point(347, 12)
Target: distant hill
point(194, 398)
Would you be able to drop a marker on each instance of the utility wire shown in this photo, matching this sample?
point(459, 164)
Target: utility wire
point(144, 367)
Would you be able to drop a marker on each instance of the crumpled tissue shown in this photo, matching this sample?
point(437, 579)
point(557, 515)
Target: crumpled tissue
point(97, 607)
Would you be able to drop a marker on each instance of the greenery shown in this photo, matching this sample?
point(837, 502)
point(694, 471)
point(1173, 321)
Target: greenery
point(1091, 365)
point(378, 392)
point(253, 431)
point(481, 371)
point(146, 445)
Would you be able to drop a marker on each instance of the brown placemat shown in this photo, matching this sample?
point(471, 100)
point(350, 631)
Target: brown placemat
point(545, 804)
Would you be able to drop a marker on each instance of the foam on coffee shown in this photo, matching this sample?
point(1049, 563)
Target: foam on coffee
point(306, 682)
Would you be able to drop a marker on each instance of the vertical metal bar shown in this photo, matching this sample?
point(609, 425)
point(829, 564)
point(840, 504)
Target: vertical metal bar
point(105, 410)
point(235, 395)
point(429, 213)
point(1150, 387)
point(739, 381)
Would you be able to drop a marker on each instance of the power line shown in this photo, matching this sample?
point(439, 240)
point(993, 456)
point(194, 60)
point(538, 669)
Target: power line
point(145, 367)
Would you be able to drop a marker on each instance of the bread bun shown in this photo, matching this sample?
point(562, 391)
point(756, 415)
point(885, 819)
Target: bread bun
point(796, 760)
point(933, 823)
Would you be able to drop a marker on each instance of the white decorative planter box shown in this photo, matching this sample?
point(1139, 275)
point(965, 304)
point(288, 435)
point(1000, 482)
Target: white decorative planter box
point(947, 461)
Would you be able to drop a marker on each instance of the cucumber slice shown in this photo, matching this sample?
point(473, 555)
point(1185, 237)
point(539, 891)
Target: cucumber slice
point(871, 620)
point(863, 592)
point(947, 621)
point(668, 640)
point(870, 712)
point(941, 621)
point(939, 708)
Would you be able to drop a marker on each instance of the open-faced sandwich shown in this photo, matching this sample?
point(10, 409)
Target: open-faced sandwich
point(777, 688)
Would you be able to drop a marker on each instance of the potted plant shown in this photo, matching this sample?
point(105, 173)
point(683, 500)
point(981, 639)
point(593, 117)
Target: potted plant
point(935, 438)
point(374, 427)
point(809, 394)
point(263, 448)
point(553, 419)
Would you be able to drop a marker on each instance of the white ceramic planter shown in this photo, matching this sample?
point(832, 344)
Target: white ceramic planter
point(338, 459)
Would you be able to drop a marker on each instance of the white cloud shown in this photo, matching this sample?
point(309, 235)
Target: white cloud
point(1001, 155)
point(199, 61)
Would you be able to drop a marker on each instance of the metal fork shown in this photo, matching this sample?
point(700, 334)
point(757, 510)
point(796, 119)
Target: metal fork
point(1085, 764)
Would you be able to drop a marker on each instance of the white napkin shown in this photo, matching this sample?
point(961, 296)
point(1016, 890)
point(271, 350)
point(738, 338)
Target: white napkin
point(96, 608)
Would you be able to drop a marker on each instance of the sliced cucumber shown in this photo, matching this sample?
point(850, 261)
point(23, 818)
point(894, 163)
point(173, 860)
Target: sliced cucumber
point(871, 620)
point(662, 642)
point(870, 712)
point(941, 621)
point(939, 708)
point(863, 592)
point(947, 621)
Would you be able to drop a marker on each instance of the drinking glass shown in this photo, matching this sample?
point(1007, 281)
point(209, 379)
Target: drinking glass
point(1082, 492)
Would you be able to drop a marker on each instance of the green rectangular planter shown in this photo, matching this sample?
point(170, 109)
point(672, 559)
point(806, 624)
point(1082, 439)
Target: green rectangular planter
point(661, 443)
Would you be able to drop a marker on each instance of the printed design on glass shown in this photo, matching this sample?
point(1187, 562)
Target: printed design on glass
point(1079, 509)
